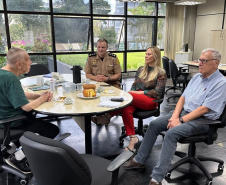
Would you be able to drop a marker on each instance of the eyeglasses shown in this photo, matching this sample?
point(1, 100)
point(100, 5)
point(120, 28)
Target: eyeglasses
point(204, 61)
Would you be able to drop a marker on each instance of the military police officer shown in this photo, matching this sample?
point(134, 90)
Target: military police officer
point(103, 66)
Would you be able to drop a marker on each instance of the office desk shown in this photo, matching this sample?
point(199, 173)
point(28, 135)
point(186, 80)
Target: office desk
point(82, 109)
point(194, 67)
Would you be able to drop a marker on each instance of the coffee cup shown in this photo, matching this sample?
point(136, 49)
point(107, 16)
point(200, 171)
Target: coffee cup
point(100, 89)
point(68, 101)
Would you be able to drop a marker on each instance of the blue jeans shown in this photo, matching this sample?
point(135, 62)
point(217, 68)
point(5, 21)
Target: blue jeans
point(170, 141)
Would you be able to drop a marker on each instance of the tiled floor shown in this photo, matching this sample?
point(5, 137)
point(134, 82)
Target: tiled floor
point(105, 142)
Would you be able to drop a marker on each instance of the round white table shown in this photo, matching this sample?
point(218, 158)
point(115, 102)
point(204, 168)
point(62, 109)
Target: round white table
point(81, 109)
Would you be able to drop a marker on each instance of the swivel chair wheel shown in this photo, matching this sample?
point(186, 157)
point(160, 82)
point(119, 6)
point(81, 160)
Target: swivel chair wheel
point(208, 182)
point(220, 168)
point(168, 175)
point(121, 142)
point(23, 182)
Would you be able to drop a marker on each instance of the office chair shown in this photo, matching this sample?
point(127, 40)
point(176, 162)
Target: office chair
point(207, 138)
point(37, 69)
point(165, 63)
point(54, 163)
point(140, 115)
point(177, 78)
point(6, 135)
point(121, 83)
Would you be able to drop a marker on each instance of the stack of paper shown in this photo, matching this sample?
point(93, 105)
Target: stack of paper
point(109, 104)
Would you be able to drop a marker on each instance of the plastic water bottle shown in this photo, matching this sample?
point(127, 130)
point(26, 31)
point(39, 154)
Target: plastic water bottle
point(52, 85)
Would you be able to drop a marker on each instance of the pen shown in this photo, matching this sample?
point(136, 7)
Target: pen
point(204, 89)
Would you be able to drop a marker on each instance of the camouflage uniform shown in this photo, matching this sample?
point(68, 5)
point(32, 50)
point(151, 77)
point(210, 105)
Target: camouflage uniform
point(108, 67)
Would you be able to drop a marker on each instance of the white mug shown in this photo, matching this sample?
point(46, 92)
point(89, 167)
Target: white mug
point(100, 89)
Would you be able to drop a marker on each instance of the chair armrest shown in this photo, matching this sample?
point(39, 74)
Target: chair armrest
point(119, 160)
point(61, 137)
point(184, 69)
point(212, 128)
point(158, 100)
point(13, 119)
point(185, 73)
point(209, 122)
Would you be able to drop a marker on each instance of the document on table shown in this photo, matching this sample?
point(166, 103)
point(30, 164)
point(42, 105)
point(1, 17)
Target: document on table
point(109, 104)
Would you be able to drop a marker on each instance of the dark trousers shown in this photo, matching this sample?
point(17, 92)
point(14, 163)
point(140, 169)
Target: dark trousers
point(39, 126)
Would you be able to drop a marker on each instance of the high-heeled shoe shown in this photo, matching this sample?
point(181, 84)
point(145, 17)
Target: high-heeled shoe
point(94, 120)
point(135, 148)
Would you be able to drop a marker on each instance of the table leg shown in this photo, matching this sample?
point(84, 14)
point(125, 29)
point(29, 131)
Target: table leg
point(84, 122)
point(88, 135)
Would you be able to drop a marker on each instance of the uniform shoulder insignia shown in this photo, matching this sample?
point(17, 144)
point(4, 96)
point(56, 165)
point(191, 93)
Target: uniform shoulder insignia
point(112, 55)
point(92, 54)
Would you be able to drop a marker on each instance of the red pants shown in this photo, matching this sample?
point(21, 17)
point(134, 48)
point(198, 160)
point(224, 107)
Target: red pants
point(140, 101)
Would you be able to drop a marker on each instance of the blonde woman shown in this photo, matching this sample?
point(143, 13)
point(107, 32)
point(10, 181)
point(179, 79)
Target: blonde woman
point(148, 85)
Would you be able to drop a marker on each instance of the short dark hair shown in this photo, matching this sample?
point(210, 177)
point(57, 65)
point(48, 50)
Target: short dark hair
point(103, 40)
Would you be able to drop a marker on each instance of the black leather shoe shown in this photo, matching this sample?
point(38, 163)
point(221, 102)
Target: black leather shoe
point(131, 164)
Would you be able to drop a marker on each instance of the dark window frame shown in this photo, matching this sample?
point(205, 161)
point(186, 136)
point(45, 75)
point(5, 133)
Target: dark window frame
point(91, 16)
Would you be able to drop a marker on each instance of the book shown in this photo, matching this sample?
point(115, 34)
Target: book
point(109, 104)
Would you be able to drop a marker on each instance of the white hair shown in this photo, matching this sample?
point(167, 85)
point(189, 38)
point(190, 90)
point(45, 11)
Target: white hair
point(215, 53)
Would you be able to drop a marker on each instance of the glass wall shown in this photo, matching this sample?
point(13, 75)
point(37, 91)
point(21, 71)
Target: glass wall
point(61, 33)
point(3, 39)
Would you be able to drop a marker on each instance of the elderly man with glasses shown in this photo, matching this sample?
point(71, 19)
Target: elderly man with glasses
point(204, 97)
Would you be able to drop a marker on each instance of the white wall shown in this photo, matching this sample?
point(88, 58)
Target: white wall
point(209, 17)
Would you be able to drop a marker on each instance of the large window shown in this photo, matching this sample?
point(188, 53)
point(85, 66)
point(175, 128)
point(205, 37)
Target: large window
point(30, 32)
point(71, 34)
point(3, 39)
point(61, 33)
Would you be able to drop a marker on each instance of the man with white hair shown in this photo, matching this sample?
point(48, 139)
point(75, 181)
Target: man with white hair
point(203, 98)
point(14, 102)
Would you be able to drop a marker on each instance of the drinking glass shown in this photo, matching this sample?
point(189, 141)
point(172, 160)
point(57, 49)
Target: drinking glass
point(79, 87)
point(73, 87)
point(40, 80)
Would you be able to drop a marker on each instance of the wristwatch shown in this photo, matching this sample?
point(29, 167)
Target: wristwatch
point(109, 78)
point(181, 120)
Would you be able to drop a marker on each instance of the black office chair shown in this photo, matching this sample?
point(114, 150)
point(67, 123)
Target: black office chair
point(54, 163)
point(7, 135)
point(121, 83)
point(177, 78)
point(207, 138)
point(165, 63)
point(37, 69)
point(140, 115)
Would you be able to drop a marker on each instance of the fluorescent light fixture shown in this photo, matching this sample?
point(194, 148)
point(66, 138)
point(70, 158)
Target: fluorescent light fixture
point(189, 2)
